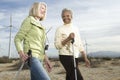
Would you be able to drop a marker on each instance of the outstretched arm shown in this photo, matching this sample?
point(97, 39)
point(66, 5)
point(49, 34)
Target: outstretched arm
point(85, 58)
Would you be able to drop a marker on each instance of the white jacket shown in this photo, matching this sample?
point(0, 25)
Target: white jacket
point(61, 34)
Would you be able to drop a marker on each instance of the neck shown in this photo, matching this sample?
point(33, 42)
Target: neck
point(37, 18)
point(67, 23)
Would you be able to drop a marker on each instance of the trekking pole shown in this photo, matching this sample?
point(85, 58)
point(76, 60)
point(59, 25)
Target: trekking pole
point(20, 69)
point(17, 74)
point(74, 59)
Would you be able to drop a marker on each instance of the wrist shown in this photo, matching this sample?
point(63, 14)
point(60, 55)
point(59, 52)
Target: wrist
point(20, 51)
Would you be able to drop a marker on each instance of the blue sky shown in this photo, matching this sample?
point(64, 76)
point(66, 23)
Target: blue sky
point(98, 21)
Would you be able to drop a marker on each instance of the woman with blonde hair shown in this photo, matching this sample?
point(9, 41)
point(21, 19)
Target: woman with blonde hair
point(31, 36)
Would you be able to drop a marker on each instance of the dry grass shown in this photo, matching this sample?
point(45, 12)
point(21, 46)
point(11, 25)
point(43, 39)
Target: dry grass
point(100, 70)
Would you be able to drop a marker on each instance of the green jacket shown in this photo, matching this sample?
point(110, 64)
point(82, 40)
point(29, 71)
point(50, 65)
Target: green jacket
point(31, 36)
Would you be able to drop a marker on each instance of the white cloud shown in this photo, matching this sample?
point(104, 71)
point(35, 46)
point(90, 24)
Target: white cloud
point(2, 16)
point(11, 0)
point(104, 43)
point(99, 20)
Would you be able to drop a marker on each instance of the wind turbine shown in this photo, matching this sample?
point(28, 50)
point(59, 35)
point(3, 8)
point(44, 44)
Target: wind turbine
point(9, 50)
point(9, 29)
point(5, 28)
point(86, 46)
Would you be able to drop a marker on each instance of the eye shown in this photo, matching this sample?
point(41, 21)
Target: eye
point(63, 16)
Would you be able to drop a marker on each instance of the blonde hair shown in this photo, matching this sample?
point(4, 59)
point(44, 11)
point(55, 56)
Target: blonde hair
point(34, 11)
point(66, 10)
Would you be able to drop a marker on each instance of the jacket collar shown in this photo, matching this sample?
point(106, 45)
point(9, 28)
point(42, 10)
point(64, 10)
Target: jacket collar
point(70, 24)
point(35, 22)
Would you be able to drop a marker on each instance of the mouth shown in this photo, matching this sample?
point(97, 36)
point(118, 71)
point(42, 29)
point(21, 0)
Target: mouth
point(66, 19)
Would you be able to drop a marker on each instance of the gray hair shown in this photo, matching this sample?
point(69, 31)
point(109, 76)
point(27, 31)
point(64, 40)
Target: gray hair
point(66, 10)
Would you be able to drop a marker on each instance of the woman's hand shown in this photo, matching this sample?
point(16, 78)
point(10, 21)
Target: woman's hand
point(87, 62)
point(48, 64)
point(71, 36)
point(23, 56)
point(85, 58)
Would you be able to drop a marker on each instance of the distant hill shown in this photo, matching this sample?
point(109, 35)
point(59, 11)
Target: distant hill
point(53, 53)
point(111, 54)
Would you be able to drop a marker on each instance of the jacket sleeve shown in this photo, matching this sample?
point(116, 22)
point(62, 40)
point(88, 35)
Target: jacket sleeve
point(81, 46)
point(20, 36)
point(58, 39)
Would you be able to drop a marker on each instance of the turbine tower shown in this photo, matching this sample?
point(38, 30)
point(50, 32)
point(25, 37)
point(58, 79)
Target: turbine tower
point(9, 51)
point(86, 46)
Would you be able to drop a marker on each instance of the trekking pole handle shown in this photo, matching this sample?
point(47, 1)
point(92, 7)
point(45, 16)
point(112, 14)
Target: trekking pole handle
point(72, 41)
point(30, 55)
point(46, 47)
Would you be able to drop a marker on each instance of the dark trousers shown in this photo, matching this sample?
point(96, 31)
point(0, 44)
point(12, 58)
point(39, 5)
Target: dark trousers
point(68, 64)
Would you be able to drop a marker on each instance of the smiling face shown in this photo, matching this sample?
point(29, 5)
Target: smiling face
point(42, 11)
point(66, 16)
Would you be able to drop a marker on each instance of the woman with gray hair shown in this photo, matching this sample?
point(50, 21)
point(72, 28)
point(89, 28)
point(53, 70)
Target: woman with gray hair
point(31, 36)
point(63, 37)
